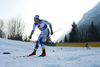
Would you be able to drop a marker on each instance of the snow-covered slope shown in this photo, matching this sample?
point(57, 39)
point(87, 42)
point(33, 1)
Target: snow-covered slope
point(56, 56)
point(91, 15)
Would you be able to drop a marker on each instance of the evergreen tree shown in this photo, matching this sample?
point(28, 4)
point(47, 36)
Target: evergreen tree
point(73, 36)
point(93, 34)
point(65, 39)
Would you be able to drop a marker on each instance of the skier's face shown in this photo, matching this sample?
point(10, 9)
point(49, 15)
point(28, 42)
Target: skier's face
point(36, 20)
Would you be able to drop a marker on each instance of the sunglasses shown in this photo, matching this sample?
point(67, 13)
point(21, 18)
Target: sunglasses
point(35, 19)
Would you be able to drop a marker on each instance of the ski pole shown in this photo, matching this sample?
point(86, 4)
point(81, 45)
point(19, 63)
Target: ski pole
point(57, 30)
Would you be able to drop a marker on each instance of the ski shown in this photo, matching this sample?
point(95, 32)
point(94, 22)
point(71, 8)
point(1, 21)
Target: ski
point(21, 56)
point(25, 56)
point(41, 56)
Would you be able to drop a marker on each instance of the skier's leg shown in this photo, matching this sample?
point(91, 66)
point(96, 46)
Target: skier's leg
point(42, 39)
point(43, 47)
point(35, 49)
point(88, 48)
point(36, 46)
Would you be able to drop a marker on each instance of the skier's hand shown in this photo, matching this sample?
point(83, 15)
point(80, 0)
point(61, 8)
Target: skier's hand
point(51, 32)
point(30, 36)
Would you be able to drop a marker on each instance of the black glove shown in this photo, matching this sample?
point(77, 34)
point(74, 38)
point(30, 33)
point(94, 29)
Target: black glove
point(30, 36)
point(51, 32)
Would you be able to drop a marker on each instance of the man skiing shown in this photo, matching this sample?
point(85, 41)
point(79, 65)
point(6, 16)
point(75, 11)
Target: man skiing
point(87, 46)
point(42, 25)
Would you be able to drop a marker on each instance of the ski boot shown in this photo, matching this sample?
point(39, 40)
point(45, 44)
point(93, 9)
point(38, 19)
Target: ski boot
point(34, 53)
point(43, 53)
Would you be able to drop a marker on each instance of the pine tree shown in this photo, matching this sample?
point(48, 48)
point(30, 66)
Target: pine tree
point(93, 34)
point(65, 39)
point(73, 36)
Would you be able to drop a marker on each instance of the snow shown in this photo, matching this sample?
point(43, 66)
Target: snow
point(56, 56)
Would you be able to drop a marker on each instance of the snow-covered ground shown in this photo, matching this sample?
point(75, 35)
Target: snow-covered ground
point(56, 56)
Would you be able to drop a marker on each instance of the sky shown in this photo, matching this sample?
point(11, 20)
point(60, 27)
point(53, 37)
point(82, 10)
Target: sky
point(60, 13)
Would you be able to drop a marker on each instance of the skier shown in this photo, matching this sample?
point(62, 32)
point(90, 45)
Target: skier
point(42, 25)
point(87, 46)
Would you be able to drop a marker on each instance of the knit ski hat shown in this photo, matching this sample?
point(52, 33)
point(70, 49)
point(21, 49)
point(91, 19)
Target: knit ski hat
point(36, 16)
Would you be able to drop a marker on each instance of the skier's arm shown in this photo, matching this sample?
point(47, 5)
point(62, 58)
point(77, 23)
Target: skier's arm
point(31, 35)
point(51, 29)
point(32, 31)
point(48, 23)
